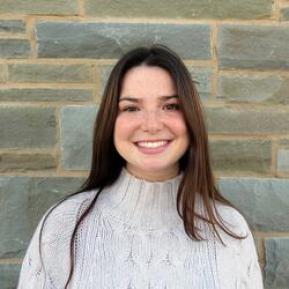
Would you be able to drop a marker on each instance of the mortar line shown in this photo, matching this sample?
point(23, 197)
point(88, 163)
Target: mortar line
point(30, 27)
point(157, 20)
point(81, 8)
point(276, 10)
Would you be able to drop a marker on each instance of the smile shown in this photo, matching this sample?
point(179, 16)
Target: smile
point(155, 144)
point(153, 147)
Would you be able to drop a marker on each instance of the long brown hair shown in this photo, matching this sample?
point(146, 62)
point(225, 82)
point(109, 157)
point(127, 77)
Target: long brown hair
point(106, 163)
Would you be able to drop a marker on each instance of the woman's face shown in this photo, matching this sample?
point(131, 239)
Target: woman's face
point(150, 131)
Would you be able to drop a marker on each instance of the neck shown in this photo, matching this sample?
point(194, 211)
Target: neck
point(154, 176)
point(142, 204)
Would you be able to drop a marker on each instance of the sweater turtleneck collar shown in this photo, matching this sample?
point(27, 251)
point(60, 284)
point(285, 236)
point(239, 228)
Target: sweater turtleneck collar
point(142, 204)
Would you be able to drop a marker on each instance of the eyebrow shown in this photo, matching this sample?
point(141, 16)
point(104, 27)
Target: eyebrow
point(133, 99)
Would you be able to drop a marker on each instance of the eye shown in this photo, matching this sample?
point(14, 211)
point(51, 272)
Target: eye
point(173, 106)
point(130, 108)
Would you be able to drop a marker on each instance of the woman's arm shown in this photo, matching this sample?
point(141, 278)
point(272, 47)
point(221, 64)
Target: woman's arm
point(251, 272)
point(32, 274)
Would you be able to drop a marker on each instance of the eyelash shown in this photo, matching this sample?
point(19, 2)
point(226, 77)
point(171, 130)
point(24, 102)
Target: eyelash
point(127, 109)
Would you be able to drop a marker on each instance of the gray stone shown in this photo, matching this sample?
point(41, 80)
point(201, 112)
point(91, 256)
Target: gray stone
point(283, 160)
point(23, 201)
point(111, 40)
point(277, 265)
point(12, 26)
point(284, 14)
point(45, 94)
point(222, 9)
point(9, 274)
point(284, 141)
point(247, 120)
point(105, 71)
point(257, 242)
point(241, 155)
point(251, 46)
point(54, 7)
point(3, 75)
point(202, 76)
point(264, 201)
point(27, 127)
point(76, 136)
point(49, 73)
point(26, 162)
point(14, 48)
point(272, 89)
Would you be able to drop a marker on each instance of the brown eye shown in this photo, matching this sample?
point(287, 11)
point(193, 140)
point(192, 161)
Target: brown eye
point(173, 106)
point(129, 108)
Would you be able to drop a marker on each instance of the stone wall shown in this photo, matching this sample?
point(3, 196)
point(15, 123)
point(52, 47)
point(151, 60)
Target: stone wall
point(55, 57)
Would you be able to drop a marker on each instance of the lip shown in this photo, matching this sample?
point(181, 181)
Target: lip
point(152, 151)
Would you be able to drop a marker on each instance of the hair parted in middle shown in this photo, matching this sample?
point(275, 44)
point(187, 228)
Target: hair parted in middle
point(106, 163)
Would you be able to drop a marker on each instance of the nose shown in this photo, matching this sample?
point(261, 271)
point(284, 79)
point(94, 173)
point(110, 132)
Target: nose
point(152, 121)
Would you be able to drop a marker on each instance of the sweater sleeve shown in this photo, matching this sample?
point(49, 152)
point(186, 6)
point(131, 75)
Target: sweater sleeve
point(55, 246)
point(238, 261)
point(32, 274)
point(251, 272)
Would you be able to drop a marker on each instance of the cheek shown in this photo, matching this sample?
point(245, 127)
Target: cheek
point(123, 127)
point(178, 126)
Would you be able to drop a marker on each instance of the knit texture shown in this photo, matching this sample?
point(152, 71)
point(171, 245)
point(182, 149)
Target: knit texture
point(134, 239)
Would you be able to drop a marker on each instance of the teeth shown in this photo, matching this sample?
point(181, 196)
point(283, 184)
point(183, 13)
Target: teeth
point(152, 144)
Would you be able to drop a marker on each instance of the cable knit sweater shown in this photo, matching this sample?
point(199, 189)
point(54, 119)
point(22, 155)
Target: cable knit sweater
point(134, 239)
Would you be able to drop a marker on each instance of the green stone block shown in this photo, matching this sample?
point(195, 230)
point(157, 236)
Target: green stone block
point(283, 160)
point(111, 40)
point(54, 7)
point(277, 263)
point(24, 200)
point(14, 48)
point(45, 94)
point(263, 201)
point(27, 127)
point(284, 14)
point(9, 274)
point(12, 26)
point(241, 155)
point(220, 9)
point(272, 89)
point(49, 73)
point(76, 136)
point(252, 46)
point(228, 120)
point(26, 162)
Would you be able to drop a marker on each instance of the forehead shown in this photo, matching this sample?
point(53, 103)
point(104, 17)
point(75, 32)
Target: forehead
point(143, 80)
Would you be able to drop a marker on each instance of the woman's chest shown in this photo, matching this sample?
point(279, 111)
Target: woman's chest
point(109, 257)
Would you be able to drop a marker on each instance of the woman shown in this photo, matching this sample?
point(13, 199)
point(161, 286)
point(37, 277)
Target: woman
point(149, 215)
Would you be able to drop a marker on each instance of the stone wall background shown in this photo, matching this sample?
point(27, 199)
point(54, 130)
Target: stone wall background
point(55, 57)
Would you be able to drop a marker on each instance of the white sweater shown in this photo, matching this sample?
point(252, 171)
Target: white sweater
point(134, 239)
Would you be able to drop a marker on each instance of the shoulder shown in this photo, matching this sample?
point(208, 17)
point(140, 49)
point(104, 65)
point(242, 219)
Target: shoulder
point(53, 232)
point(233, 219)
point(60, 219)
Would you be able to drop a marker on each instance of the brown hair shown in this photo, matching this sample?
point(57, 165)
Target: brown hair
point(106, 163)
